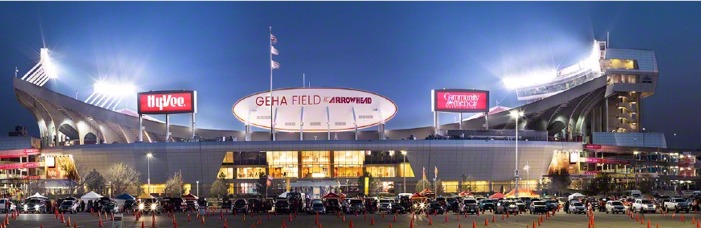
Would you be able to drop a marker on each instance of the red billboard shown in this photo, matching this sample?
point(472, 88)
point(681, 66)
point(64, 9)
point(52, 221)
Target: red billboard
point(167, 102)
point(460, 100)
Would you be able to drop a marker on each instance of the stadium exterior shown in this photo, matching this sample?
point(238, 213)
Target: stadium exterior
point(587, 120)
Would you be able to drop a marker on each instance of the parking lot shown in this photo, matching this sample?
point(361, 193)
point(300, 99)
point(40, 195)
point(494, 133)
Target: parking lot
point(217, 219)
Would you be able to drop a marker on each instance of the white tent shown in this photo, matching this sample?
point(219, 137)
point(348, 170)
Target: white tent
point(90, 196)
point(575, 195)
point(37, 195)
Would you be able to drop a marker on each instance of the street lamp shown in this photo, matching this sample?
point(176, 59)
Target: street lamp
point(148, 171)
point(404, 169)
point(516, 114)
point(198, 187)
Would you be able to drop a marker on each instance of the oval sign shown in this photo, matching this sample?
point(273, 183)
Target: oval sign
point(315, 109)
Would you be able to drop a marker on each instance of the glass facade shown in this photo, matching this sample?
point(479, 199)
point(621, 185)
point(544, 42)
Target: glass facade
point(316, 164)
point(348, 163)
point(249, 172)
point(283, 164)
point(381, 171)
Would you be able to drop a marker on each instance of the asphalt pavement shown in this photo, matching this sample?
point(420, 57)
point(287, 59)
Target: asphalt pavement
point(217, 219)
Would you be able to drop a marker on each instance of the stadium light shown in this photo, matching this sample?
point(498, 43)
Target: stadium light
point(48, 64)
point(114, 90)
point(516, 114)
point(529, 79)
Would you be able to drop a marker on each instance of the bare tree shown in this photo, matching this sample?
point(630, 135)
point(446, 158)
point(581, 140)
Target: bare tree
point(122, 176)
point(174, 185)
point(218, 188)
point(423, 184)
point(94, 181)
point(439, 187)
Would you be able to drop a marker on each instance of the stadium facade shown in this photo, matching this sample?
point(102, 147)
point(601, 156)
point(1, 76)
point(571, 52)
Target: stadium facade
point(586, 118)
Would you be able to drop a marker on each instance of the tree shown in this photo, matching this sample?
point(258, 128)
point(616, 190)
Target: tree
point(174, 185)
point(123, 177)
point(218, 188)
point(466, 183)
point(423, 184)
point(361, 183)
point(560, 180)
point(94, 181)
point(439, 187)
point(261, 184)
point(375, 187)
point(71, 174)
point(601, 184)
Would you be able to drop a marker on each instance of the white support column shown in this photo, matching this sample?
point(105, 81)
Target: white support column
point(328, 123)
point(167, 127)
point(141, 128)
point(355, 123)
point(460, 121)
point(435, 123)
point(381, 127)
point(301, 125)
point(274, 123)
point(486, 121)
point(193, 126)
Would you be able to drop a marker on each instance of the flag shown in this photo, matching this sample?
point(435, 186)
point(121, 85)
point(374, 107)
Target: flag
point(435, 170)
point(273, 50)
point(423, 171)
point(273, 39)
point(274, 65)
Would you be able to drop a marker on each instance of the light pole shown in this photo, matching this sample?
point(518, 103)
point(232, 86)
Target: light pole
point(198, 187)
point(516, 114)
point(148, 171)
point(404, 169)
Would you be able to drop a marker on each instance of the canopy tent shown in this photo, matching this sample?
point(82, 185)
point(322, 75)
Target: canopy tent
point(332, 195)
point(427, 193)
point(523, 192)
point(124, 196)
point(464, 194)
point(90, 196)
point(37, 195)
point(575, 195)
point(497, 195)
point(190, 197)
point(417, 196)
point(145, 196)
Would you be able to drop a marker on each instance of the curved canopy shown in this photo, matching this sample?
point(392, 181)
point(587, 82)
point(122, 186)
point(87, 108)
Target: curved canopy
point(497, 195)
point(37, 195)
point(575, 195)
point(522, 193)
point(417, 196)
point(90, 196)
point(464, 193)
point(125, 196)
point(332, 195)
point(190, 197)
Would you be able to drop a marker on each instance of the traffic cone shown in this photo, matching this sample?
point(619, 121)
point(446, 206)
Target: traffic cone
point(68, 223)
point(486, 222)
point(648, 223)
point(430, 221)
point(395, 218)
point(226, 224)
point(390, 225)
point(372, 220)
point(351, 224)
point(534, 224)
point(446, 218)
point(99, 222)
point(474, 224)
point(283, 224)
point(75, 224)
point(188, 217)
point(493, 219)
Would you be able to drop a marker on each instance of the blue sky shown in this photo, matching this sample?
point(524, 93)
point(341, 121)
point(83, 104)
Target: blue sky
point(399, 49)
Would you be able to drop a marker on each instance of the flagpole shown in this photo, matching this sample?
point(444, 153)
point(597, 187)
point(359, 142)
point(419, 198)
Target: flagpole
point(270, 40)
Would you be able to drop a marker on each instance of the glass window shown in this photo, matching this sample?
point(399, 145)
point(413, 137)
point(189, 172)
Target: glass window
point(246, 188)
point(229, 157)
point(226, 173)
point(316, 164)
point(249, 172)
point(283, 164)
point(381, 171)
point(348, 163)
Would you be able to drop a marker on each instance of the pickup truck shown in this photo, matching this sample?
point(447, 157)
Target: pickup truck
point(677, 204)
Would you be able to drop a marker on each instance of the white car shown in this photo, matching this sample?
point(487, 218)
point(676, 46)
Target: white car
point(577, 208)
point(615, 207)
point(643, 205)
point(3, 203)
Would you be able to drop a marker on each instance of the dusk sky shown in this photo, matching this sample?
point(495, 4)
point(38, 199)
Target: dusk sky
point(401, 50)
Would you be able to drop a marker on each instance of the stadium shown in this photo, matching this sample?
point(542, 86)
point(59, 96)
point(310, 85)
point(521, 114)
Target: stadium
point(585, 118)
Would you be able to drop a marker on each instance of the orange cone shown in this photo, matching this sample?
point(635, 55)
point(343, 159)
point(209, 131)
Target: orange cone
point(142, 224)
point(486, 222)
point(68, 223)
point(446, 217)
point(474, 224)
point(395, 218)
point(351, 223)
point(648, 223)
point(430, 221)
point(372, 220)
point(99, 222)
point(188, 217)
point(390, 225)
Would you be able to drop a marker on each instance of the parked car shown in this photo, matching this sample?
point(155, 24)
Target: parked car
point(469, 206)
point(552, 204)
point(356, 206)
point(435, 208)
point(240, 206)
point(643, 205)
point(68, 206)
point(538, 207)
point(3, 206)
point(614, 207)
point(397, 208)
point(487, 204)
point(333, 205)
point(282, 206)
point(385, 204)
point(521, 205)
point(192, 205)
point(677, 204)
point(576, 208)
point(506, 206)
point(150, 206)
point(110, 207)
point(454, 204)
point(318, 208)
point(268, 204)
point(34, 205)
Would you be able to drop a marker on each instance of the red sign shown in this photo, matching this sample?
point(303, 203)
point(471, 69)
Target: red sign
point(460, 100)
point(592, 146)
point(26, 165)
point(605, 161)
point(31, 177)
point(18, 153)
point(167, 102)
